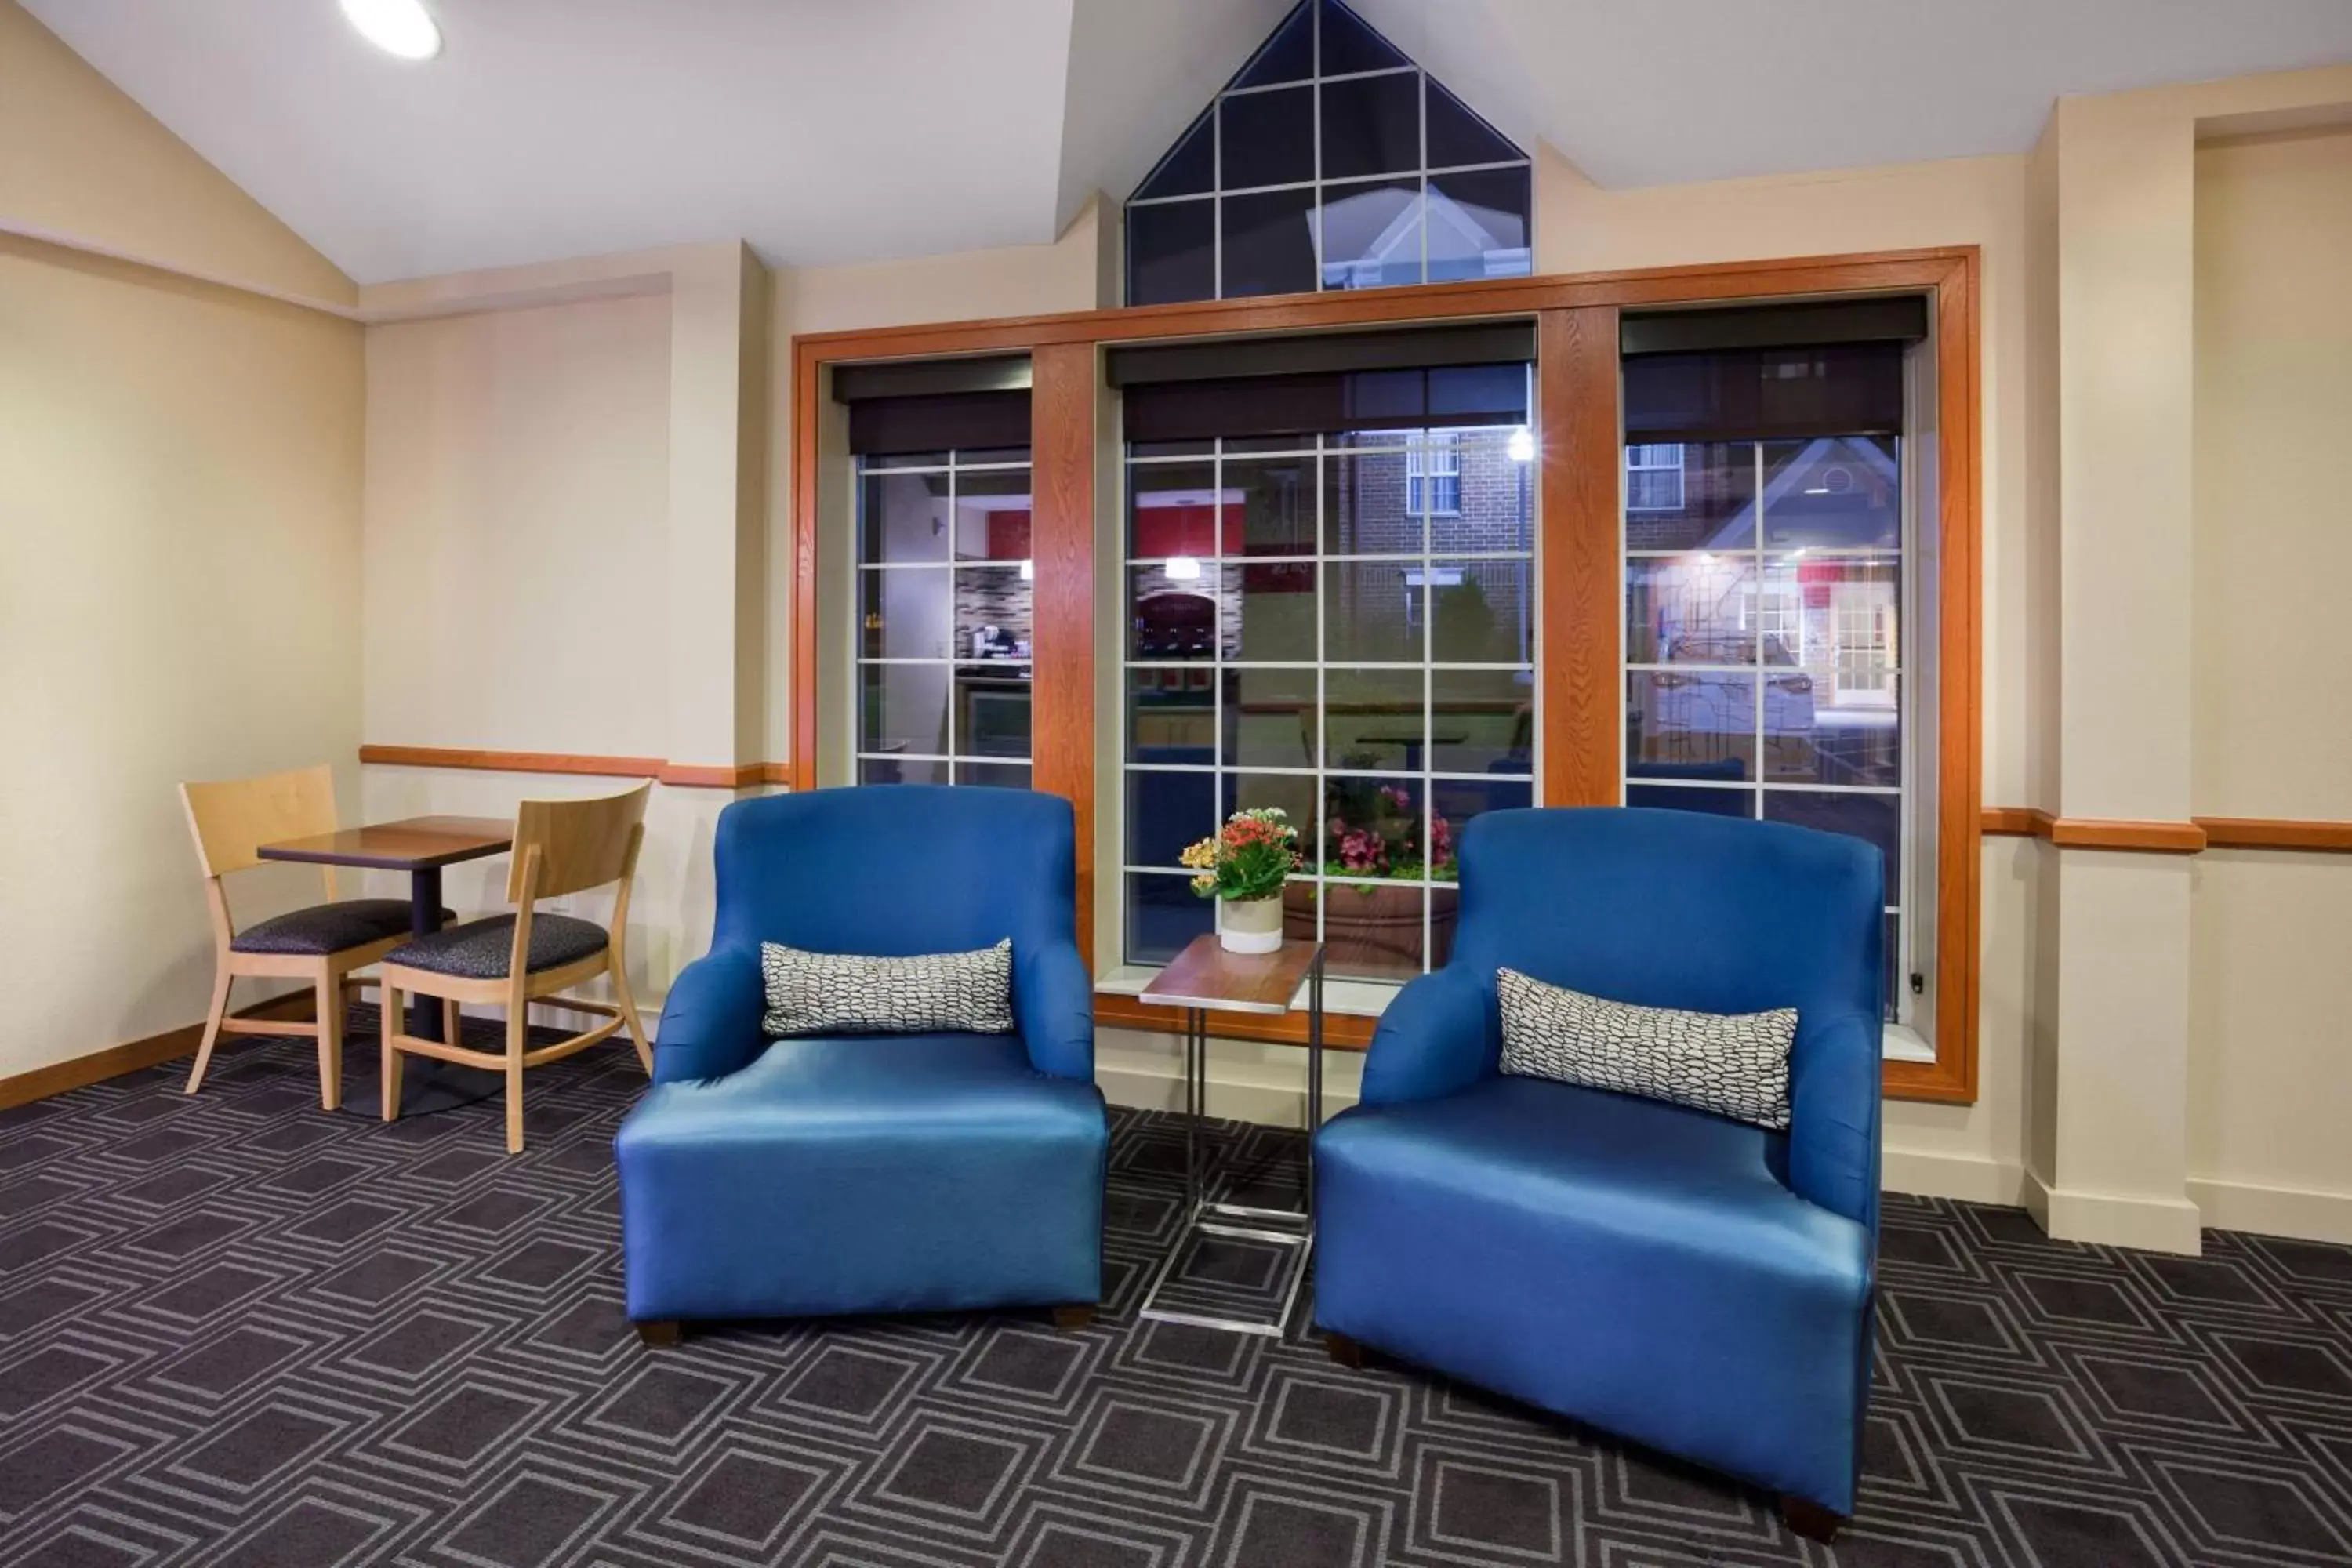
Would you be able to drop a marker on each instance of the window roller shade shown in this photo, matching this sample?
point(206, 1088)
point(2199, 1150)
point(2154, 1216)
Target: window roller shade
point(1468, 376)
point(935, 405)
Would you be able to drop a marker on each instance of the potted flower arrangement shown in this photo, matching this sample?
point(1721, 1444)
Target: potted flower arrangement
point(1374, 833)
point(1243, 868)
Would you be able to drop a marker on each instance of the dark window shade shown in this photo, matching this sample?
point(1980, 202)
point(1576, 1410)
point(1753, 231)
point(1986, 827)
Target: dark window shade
point(931, 377)
point(1298, 404)
point(1424, 348)
point(1847, 389)
point(881, 427)
point(1814, 324)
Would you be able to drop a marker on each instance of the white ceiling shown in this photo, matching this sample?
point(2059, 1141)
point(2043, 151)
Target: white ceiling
point(827, 131)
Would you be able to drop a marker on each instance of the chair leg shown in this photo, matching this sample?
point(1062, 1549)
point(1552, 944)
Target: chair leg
point(452, 1022)
point(330, 1008)
point(1809, 1518)
point(1074, 1315)
point(660, 1332)
point(212, 1029)
point(629, 1015)
point(392, 1004)
point(518, 1025)
point(1343, 1349)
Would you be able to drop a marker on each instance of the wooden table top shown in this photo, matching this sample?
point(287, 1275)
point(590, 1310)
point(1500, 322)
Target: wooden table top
point(412, 844)
point(1205, 975)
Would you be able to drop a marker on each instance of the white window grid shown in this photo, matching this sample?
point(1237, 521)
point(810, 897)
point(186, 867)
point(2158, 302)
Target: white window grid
point(1653, 476)
point(956, 761)
point(1763, 560)
point(1216, 193)
point(1345, 446)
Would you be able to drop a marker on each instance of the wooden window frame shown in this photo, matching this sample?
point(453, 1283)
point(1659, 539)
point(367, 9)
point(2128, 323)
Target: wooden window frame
point(1581, 451)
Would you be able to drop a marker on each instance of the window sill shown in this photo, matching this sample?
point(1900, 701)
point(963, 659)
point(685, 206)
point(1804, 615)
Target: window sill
point(1368, 999)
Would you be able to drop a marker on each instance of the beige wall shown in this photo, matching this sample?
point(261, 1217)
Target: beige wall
point(2270, 991)
point(178, 550)
point(80, 160)
point(518, 508)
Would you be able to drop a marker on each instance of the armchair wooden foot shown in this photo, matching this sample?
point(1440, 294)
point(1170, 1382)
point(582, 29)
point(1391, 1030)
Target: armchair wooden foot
point(1810, 1519)
point(1344, 1351)
point(1076, 1315)
point(661, 1332)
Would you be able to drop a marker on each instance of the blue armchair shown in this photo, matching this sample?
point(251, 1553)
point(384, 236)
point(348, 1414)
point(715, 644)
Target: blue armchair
point(1699, 1285)
point(883, 1173)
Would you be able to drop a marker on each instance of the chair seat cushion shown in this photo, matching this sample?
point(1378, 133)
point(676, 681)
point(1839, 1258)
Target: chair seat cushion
point(1632, 1264)
point(865, 1174)
point(327, 927)
point(482, 950)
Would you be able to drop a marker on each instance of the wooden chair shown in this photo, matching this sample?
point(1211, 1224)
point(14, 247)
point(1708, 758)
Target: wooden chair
point(322, 944)
point(559, 847)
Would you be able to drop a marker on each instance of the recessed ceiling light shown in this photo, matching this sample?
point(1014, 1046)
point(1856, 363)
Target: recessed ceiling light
point(401, 28)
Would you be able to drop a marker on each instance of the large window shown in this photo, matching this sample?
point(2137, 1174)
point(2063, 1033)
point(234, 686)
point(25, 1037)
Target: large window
point(944, 595)
point(1765, 613)
point(1306, 629)
point(1330, 161)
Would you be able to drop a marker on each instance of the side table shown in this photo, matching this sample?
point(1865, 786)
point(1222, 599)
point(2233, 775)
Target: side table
point(1205, 979)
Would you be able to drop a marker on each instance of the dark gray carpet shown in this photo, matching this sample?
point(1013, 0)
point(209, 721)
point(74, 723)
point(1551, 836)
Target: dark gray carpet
point(236, 1331)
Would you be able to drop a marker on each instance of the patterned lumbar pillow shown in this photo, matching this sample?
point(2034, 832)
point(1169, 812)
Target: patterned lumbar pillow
point(1735, 1065)
point(847, 994)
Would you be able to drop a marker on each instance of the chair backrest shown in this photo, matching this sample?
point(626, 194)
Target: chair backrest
point(570, 845)
point(232, 818)
point(889, 870)
point(1676, 908)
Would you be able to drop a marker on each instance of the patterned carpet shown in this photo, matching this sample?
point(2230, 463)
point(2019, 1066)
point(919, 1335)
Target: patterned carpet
point(236, 1331)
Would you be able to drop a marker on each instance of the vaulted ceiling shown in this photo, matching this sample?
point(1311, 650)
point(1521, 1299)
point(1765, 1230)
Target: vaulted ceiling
point(827, 131)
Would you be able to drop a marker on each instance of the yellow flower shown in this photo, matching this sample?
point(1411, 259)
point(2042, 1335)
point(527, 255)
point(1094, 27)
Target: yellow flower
point(1205, 884)
point(1201, 857)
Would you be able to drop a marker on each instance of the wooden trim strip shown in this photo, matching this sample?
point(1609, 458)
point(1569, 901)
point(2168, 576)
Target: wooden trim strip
point(2199, 833)
point(1063, 383)
point(512, 761)
point(1580, 422)
point(1960, 705)
point(677, 775)
point(1342, 1031)
point(133, 1056)
point(2160, 837)
point(2275, 833)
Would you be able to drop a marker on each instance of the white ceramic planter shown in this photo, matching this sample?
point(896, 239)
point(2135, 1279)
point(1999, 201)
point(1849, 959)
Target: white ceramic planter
point(1249, 925)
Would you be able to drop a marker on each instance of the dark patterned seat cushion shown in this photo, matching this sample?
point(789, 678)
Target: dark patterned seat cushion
point(479, 949)
point(327, 927)
point(1734, 1064)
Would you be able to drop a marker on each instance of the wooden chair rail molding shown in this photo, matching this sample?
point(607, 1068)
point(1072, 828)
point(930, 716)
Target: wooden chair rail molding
point(2191, 837)
point(677, 775)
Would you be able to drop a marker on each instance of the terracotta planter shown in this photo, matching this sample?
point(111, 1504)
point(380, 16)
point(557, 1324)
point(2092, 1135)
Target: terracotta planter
point(1374, 932)
point(1249, 925)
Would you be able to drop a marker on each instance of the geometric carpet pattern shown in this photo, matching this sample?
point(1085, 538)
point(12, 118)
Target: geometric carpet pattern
point(237, 1331)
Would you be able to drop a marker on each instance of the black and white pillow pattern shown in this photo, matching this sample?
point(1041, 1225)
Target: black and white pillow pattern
point(848, 993)
point(1734, 1064)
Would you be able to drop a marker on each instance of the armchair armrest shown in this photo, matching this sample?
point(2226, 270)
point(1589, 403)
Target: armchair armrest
point(1054, 1003)
point(1834, 1088)
point(1439, 1036)
point(711, 1024)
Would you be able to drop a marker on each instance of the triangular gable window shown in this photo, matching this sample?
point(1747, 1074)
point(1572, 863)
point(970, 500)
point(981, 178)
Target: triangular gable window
point(1330, 161)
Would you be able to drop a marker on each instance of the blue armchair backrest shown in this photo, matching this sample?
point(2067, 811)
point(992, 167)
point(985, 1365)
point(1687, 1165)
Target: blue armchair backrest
point(1674, 909)
point(893, 869)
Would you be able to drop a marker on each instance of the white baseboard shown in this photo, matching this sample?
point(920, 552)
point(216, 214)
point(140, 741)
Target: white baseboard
point(2297, 1212)
point(2111, 1219)
point(1962, 1177)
